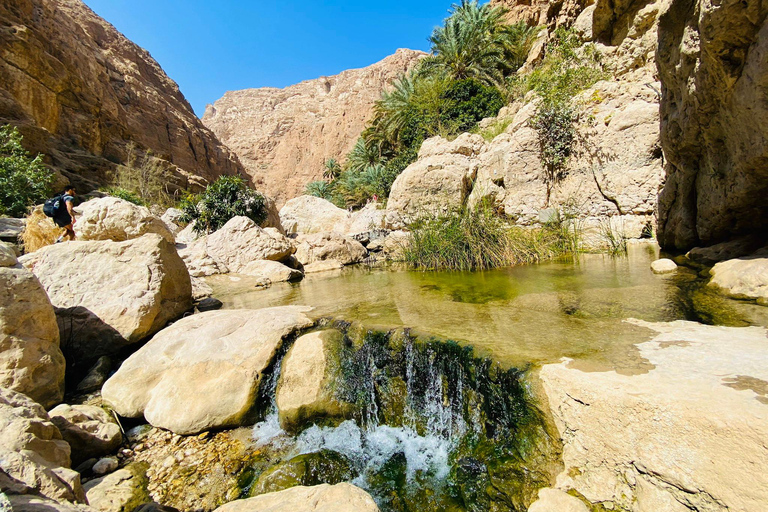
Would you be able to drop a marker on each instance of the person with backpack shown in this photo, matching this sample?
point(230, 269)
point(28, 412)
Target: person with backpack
point(64, 212)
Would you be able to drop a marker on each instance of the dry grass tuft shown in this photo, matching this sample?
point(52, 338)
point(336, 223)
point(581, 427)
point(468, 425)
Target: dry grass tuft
point(39, 231)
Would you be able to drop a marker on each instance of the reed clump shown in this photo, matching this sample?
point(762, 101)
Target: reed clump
point(39, 231)
point(478, 239)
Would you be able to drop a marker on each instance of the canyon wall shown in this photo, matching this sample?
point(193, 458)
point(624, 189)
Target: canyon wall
point(284, 136)
point(713, 62)
point(83, 94)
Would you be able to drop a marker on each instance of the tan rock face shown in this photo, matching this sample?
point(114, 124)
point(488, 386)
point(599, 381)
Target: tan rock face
point(329, 246)
point(110, 218)
point(310, 214)
point(7, 255)
point(34, 459)
point(31, 361)
point(121, 491)
point(342, 497)
point(81, 92)
point(743, 278)
point(110, 294)
point(203, 371)
point(284, 136)
point(88, 429)
point(684, 436)
point(232, 248)
point(713, 64)
point(307, 376)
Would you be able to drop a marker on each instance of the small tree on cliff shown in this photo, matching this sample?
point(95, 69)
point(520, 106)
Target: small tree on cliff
point(24, 181)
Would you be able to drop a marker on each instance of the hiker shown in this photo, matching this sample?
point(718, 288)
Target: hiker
point(64, 216)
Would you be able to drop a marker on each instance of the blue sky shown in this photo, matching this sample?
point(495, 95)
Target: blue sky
point(211, 46)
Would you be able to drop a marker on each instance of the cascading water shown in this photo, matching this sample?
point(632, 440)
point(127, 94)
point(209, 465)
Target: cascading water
point(427, 411)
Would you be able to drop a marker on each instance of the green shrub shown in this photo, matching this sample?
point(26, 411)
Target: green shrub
point(478, 239)
point(554, 125)
point(227, 197)
point(126, 195)
point(321, 189)
point(24, 181)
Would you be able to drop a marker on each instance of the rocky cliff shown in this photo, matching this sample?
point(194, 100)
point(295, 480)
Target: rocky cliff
point(81, 93)
point(284, 136)
point(713, 63)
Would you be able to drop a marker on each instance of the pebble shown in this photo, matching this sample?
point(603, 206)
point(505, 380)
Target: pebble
point(105, 465)
point(169, 461)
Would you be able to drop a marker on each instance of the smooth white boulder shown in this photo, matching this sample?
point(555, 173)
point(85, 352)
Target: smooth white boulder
point(341, 497)
point(111, 218)
point(329, 246)
point(663, 266)
point(310, 214)
point(743, 278)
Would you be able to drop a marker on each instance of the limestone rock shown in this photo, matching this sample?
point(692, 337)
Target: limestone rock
point(663, 266)
point(34, 459)
point(121, 491)
point(275, 271)
point(31, 361)
point(394, 245)
point(323, 266)
point(85, 96)
point(203, 371)
point(209, 304)
point(329, 246)
point(24, 503)
point(110, 218)
point(371, 217)
point(285, 136)
point(110, 294)
point(89, 430)
point(439, 181)
point(310, 214)
point(743, 278)
point(712, 63)
point(686, 435)
point(305, 392)
point(11, 229)
point(200, 289)
point(554, 500)
point(187, 235)
point(7, 255)
point(230, 249)
point(736, 248)
point(341, 497)
point(105, 465)
point(172, 219)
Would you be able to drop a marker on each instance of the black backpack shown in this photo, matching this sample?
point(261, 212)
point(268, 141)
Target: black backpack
point(52, 206)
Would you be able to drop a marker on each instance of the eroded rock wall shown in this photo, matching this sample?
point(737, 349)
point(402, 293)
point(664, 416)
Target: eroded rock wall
point(284, 136)
point(713, 64)
point(81, 92)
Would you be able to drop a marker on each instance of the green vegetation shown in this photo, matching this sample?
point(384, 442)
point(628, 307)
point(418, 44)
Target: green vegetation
point(459, 84)
point(142, 180)
point(24, 181)
point(227, 197)
point(478, 239)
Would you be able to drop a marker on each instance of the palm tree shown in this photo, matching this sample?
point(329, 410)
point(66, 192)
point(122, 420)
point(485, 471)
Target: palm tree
point(364, 154)
point(332, 169)
point(319, 189)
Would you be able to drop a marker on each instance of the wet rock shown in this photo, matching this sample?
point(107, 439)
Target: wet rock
point(203, 371)
point(230, 249)
point(105, 465)
point(111, 294)
point(275, 271)
point(341, 497)
point(89, 430)
point(31, 361)
point(34, 459)
point(121, 491)
point(96, 376)
point(111, 218)
point(310, 214)
point(209, 304)
point(554, 500)
point(329, 246)
point(323, 467)
point(7, 255)
point(685, 434)
point(743, 278)
point(309, 373)
point(663, 266)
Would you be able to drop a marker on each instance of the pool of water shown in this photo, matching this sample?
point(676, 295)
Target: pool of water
point(521, 315)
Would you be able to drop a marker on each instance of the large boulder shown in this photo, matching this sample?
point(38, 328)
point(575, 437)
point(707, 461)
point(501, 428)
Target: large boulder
point(204, 371)
point(111, 218)
point(309, 372)
point(329, 246)
point(90, 431)
point(230, 249)
point(440, 180)
point(685, 435)
point(110, 294)
point(341, 497)
point(310, 214)
point(31, 361)
point(121, 491)
point(743, 278)
point(371, 217)
point(273, 271)
point(34, 459)
point(713, 63)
